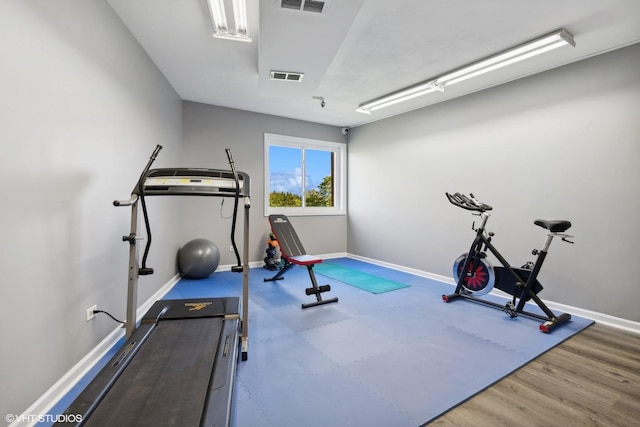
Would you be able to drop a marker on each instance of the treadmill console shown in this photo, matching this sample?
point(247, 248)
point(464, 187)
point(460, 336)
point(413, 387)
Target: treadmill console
point(194, 182)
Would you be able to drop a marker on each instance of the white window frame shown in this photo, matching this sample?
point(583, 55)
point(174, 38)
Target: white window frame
point(340, 174)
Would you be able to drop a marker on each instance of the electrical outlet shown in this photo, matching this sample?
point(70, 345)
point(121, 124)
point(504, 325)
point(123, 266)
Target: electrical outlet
point(91, 312)
point(230, 248)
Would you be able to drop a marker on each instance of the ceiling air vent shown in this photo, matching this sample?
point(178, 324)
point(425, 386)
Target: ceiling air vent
point(304, 5)
point(287, 76)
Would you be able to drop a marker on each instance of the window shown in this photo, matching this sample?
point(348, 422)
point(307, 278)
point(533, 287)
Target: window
point(304, 176)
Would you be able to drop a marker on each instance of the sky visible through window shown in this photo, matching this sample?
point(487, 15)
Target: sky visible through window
point(285, 168)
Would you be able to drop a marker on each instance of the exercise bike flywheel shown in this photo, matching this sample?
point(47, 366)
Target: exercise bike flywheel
point(479, 281)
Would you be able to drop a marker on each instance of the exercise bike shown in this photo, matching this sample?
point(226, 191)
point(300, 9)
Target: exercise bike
point(475, 276)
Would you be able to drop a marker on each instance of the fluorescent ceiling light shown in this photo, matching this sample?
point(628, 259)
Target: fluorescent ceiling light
point(519, 53)
point(220, 25)
point(535, 47)
point(400, 96)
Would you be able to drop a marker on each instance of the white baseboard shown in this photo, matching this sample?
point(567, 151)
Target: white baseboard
point(415, 272)
point(227, 267)
point(30, 417)
point(64, 384)
point(605, 319)
point(158, 295)
point(336, 255)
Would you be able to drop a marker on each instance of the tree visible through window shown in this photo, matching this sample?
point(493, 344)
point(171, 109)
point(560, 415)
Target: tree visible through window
point(302, 176)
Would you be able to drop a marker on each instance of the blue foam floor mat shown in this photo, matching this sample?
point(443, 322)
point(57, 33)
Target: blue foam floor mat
point(396, 359)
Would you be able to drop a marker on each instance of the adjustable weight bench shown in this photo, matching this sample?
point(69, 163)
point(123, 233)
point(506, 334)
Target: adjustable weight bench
point(294, 254)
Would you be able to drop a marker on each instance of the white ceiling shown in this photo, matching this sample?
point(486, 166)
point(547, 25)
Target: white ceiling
point(358, 50)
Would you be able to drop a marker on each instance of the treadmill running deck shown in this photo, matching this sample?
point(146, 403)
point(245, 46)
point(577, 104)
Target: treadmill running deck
point(178, 368)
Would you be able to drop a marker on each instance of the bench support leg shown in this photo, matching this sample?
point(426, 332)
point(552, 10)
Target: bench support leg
point(317, 290)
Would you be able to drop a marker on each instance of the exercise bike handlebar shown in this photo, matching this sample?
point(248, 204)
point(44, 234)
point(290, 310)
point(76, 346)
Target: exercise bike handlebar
point(469, 203)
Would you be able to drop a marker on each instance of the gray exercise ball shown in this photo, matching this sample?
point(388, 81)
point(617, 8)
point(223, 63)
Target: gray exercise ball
point(198, 259)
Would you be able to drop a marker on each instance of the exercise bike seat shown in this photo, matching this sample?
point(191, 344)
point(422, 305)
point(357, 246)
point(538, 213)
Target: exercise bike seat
point(555, 226)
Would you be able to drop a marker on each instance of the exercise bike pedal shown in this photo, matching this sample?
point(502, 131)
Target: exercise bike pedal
point(510, 309)
point(528, 265)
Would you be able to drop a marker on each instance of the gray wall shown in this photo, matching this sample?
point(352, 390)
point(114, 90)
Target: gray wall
point(208, 130)
point(564, 144)
point(82, 107)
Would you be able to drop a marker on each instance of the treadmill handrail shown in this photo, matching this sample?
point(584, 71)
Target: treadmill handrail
point(133, 199)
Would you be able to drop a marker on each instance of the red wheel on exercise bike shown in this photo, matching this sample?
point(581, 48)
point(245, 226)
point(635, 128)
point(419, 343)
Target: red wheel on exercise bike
point(479, 280)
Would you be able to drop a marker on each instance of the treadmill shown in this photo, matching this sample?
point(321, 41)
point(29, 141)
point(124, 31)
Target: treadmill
point(178, 364)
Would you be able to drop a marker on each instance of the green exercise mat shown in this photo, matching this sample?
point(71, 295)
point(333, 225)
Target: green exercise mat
point(358, 279)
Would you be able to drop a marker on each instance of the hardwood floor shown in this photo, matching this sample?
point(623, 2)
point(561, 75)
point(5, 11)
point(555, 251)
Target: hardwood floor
point(591, 379)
